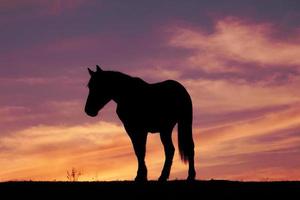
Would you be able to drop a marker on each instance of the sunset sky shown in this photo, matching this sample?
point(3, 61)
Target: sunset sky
point(239, 59)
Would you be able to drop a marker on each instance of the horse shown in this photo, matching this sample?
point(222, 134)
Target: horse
point(142, 108)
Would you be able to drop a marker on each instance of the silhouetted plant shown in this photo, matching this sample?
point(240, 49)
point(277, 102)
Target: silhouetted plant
point(73, 174)
point(95, 178)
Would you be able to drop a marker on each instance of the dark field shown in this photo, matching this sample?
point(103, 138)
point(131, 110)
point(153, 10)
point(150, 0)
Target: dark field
point(152, 189)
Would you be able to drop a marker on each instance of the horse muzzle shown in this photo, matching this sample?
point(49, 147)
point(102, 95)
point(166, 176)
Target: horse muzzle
point(91, 114)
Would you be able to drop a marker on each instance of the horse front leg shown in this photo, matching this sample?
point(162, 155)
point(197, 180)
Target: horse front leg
point(138, 140)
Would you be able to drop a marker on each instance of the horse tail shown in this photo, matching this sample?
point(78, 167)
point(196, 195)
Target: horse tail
point(185, 135)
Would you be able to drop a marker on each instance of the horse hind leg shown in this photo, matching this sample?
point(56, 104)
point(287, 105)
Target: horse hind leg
point(186, 147)
point(166, 138)
point(191, 153)
point(192, 172)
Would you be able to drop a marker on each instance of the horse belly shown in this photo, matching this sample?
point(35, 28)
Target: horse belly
point(160, 119)
point(150, 121)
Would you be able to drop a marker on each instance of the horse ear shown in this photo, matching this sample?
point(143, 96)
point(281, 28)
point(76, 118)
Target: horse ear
point(90, 71)
point(98, 69)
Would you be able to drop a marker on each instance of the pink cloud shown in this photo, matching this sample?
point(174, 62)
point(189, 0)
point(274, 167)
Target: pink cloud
point(236, 151)
point(220, 96)
point(236, 40)
point(265, 124)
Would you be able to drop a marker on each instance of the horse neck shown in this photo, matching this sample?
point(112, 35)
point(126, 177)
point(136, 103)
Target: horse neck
point(125, 87)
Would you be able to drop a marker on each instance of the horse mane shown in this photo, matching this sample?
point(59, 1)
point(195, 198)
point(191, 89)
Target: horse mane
point(127, 79)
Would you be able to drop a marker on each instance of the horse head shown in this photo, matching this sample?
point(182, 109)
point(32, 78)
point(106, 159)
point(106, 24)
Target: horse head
point(99, 92)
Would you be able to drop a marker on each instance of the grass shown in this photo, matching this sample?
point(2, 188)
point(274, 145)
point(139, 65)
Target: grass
point(153, 189)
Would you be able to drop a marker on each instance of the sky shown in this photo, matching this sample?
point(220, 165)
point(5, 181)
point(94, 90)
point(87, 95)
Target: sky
point(239, 60)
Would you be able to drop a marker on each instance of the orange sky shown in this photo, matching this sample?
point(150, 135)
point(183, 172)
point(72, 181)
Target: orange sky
point(241, 68)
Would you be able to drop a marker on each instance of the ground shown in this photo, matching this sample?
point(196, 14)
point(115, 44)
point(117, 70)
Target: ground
point(152, 189)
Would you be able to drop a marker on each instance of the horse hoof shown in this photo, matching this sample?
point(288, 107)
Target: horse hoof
point(162, 179)
point(190, 178)
point(140, 179)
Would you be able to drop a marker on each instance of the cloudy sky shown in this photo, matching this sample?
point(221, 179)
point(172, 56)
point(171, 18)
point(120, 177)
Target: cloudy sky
point(239, 59)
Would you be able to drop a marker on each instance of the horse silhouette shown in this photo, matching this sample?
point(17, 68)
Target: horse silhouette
point(144, 108)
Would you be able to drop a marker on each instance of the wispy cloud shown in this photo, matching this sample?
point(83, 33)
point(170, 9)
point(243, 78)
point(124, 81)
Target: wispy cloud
point(98, 149)
point(236, 40)
point(48, 151)
point(216, 96)
point(238, 148)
